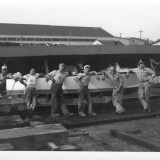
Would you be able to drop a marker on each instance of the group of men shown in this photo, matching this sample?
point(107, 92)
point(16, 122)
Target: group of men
point(145, 75)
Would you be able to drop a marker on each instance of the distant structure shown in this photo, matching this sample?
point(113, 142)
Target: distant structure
point(47, 35)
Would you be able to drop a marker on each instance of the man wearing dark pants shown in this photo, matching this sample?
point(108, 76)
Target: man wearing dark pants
point(3, 76)
point(58, 77)
point(83, 80)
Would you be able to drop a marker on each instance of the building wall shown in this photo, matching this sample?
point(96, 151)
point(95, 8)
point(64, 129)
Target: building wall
point(66, 40)
point(136, 42)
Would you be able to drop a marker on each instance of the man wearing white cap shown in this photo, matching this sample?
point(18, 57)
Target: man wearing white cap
point(145, 76)
point(117, 84)
point(83, 80)
point(3, 76)
point(57, 77)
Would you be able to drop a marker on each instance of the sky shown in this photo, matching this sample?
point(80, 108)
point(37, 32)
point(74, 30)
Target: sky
point(118, 17)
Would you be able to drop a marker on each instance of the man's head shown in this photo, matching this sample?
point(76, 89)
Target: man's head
point(141, 65)
point(113, 68)
point(86, 69)
point(32, 71)
point(62, 66)
point(4, 69)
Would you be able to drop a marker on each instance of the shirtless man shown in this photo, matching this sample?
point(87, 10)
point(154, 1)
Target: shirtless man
point(83, 80)
point(57, 77)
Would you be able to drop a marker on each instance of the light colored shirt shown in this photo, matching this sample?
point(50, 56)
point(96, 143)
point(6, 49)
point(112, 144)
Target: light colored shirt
point(115, 79)
point(31, 79)
point(143, 74)
point(58, 76)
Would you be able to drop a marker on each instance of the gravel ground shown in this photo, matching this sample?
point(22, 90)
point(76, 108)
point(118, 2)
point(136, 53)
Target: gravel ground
point(99, 138)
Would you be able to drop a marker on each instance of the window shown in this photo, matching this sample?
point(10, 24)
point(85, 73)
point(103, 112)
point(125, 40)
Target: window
point(47, 39)
point(63, 39)
point(38, 39)
point(55, 39)
point(72, 39)
point(29, 39)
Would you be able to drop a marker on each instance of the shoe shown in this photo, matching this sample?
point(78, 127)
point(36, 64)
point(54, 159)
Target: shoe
point(69, 114)
point(54, 114)
point(93, 113)
point(149, 110)
point(145, 111)
point(121, 112)
point(81, 114)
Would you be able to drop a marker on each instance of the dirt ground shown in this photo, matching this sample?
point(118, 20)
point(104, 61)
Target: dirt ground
point(99, 138)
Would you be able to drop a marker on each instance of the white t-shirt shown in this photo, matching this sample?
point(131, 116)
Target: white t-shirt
point(31, 80)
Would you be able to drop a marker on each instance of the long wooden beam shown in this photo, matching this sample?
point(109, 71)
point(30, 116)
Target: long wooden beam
point(107, 121)
point(136, 140)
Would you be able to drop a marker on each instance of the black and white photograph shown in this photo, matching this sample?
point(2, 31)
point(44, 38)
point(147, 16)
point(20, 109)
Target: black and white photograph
point(80, 79)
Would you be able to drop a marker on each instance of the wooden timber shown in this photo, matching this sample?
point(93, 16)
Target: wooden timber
point(14, 121)
point(136, 140)
point(67, 147)
point(33, 138)
point(6, 147)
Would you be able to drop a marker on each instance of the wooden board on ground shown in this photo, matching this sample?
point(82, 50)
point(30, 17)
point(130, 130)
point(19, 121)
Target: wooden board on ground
point(6, 147)
point(33, 138)
point(136, 140)
point(7, 122)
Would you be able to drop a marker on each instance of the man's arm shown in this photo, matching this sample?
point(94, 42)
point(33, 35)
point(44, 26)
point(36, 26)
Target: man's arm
point(77, 78)
point(127, 74)
point(50, 76)
point(22, 82)
point(95, 73)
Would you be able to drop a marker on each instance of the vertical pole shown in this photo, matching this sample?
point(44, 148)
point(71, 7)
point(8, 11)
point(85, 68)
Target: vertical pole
point(140, 33)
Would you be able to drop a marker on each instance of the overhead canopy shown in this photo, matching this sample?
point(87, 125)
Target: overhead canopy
point(29, 51)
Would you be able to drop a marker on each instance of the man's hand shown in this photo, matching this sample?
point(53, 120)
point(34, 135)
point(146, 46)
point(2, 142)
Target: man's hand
point(16, 79)
point(127, 75)
point(46, 79)
point(98, 78)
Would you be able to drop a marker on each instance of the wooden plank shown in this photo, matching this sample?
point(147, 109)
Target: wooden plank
point(6, 147)
point(136, 140)
point(69, 147)
point(8, 122)
point(52, 146)
point(33, 138)
point(107, 121)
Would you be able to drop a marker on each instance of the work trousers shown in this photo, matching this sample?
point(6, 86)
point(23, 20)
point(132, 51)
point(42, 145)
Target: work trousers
point(31, 99)
point(2, 86)
point(84, 94)
point(58, 98)
point(117, 99)
point(144, 91)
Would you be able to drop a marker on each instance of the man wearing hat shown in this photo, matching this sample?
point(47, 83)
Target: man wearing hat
point(145, 76)
point(3, 76)
point(117, 83)
point(57, 77)
point(83, 80)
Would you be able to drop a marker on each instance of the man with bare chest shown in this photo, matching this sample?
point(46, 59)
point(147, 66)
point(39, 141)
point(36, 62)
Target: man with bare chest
point(57, 77)
point(83, 80)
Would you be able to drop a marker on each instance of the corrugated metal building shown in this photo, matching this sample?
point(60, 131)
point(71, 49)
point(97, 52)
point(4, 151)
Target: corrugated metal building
point(99, 57)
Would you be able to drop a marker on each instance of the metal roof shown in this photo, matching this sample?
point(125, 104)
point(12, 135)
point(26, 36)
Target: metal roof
point(75, 50)
point(47, 30)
